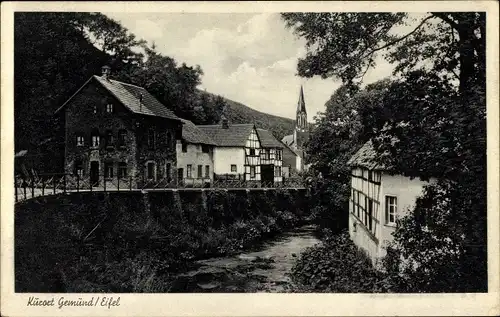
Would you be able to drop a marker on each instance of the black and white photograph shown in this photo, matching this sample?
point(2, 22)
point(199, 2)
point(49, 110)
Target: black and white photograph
point(264, 152)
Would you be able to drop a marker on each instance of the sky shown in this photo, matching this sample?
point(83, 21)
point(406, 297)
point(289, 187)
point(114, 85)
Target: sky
point(250, 58)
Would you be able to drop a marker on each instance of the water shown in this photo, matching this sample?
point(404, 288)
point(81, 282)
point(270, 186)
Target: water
point(262, 270)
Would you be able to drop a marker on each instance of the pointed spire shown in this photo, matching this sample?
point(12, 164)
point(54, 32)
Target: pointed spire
point(301, 105)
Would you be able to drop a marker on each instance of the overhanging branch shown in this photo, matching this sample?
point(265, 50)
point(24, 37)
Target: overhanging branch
point(400, 39)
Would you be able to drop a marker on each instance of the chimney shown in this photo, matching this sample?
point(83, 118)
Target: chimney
point(106, 71)
point(224, 122)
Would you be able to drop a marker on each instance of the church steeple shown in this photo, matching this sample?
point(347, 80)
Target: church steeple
point(301, 121)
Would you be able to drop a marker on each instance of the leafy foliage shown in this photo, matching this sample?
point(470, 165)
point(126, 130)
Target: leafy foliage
point(336, 266)
point(340, 131)
point(137, 243)
point(430, 123)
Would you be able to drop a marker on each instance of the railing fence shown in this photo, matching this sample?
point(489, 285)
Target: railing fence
point(55, 183)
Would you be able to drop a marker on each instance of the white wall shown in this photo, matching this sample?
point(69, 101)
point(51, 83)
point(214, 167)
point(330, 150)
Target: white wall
point(407, 191)
point(225, 156)
point(194, 156)
point(298, 163)
point(403, 188)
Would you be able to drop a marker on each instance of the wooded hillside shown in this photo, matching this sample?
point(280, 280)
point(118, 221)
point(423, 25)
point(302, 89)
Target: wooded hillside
point(55, 53)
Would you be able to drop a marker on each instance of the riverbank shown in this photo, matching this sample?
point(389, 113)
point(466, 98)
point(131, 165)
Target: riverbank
point(265, 269)
point(137, 242)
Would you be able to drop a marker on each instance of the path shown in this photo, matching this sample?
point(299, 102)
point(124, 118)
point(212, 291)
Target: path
point(264, 270)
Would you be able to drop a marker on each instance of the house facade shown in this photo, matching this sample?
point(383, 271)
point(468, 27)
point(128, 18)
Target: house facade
point(195, 156)
point(377, 200)
point(117, 131)
point(241, 154)
point(295, 143)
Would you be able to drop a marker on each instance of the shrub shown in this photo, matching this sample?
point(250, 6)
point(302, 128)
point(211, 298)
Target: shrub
point(336, 266)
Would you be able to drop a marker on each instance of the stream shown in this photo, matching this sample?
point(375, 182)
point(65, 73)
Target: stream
point(262, 270)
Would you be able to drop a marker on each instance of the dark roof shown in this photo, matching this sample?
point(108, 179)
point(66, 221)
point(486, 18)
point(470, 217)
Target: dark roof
point(301, 105)
point(192, 134)
point(129, 96)
point(234, 135)
point(366, 157)
point(267, 139)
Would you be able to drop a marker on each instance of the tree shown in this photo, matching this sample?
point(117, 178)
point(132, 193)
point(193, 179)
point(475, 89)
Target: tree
point(436, 114)
point(345, 45)
point(339, 132)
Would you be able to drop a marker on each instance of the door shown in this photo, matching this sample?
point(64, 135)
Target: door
point(150, 171)
point(267, 174)
point(94, 173)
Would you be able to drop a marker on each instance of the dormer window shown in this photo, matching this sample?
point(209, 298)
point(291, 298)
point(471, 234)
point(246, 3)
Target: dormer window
point(109, 108)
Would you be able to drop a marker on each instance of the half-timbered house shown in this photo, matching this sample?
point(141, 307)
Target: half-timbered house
point(377, 200)
point(271, 156)
point(239, 152)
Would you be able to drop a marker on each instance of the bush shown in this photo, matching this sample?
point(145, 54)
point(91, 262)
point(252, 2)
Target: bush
point(337, 266)
point(128, 242)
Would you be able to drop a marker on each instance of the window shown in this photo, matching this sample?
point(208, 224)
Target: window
point(110, 141)
point(207, 171)
point(188, 171)
point(151, 138)
point(353, 201)
point(180, 173)
point(150, 171)
point(205, 148)
point(122, 137)
point(278, 155)
point(252, 152)
point(277, 171)
point(369, 214)
point(95, 138)
point(184, 147)
point(79, 168)
point(265, 154)
point(108, 170)
point(359, 204)
point(252, 171)
point(109, 108)
point(168, 172)
point(200, 171)
point(94, 109)
point(122, 170)
point(391, 209)
point(233, 168)
point(370, 176)
point(79, 140)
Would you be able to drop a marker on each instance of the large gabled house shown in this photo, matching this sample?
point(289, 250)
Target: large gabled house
point(244, 153)
point(114, 130)
point(377, 200)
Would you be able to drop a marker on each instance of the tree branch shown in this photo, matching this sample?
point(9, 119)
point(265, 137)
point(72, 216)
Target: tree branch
point(400, 39)
point(444, 17)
